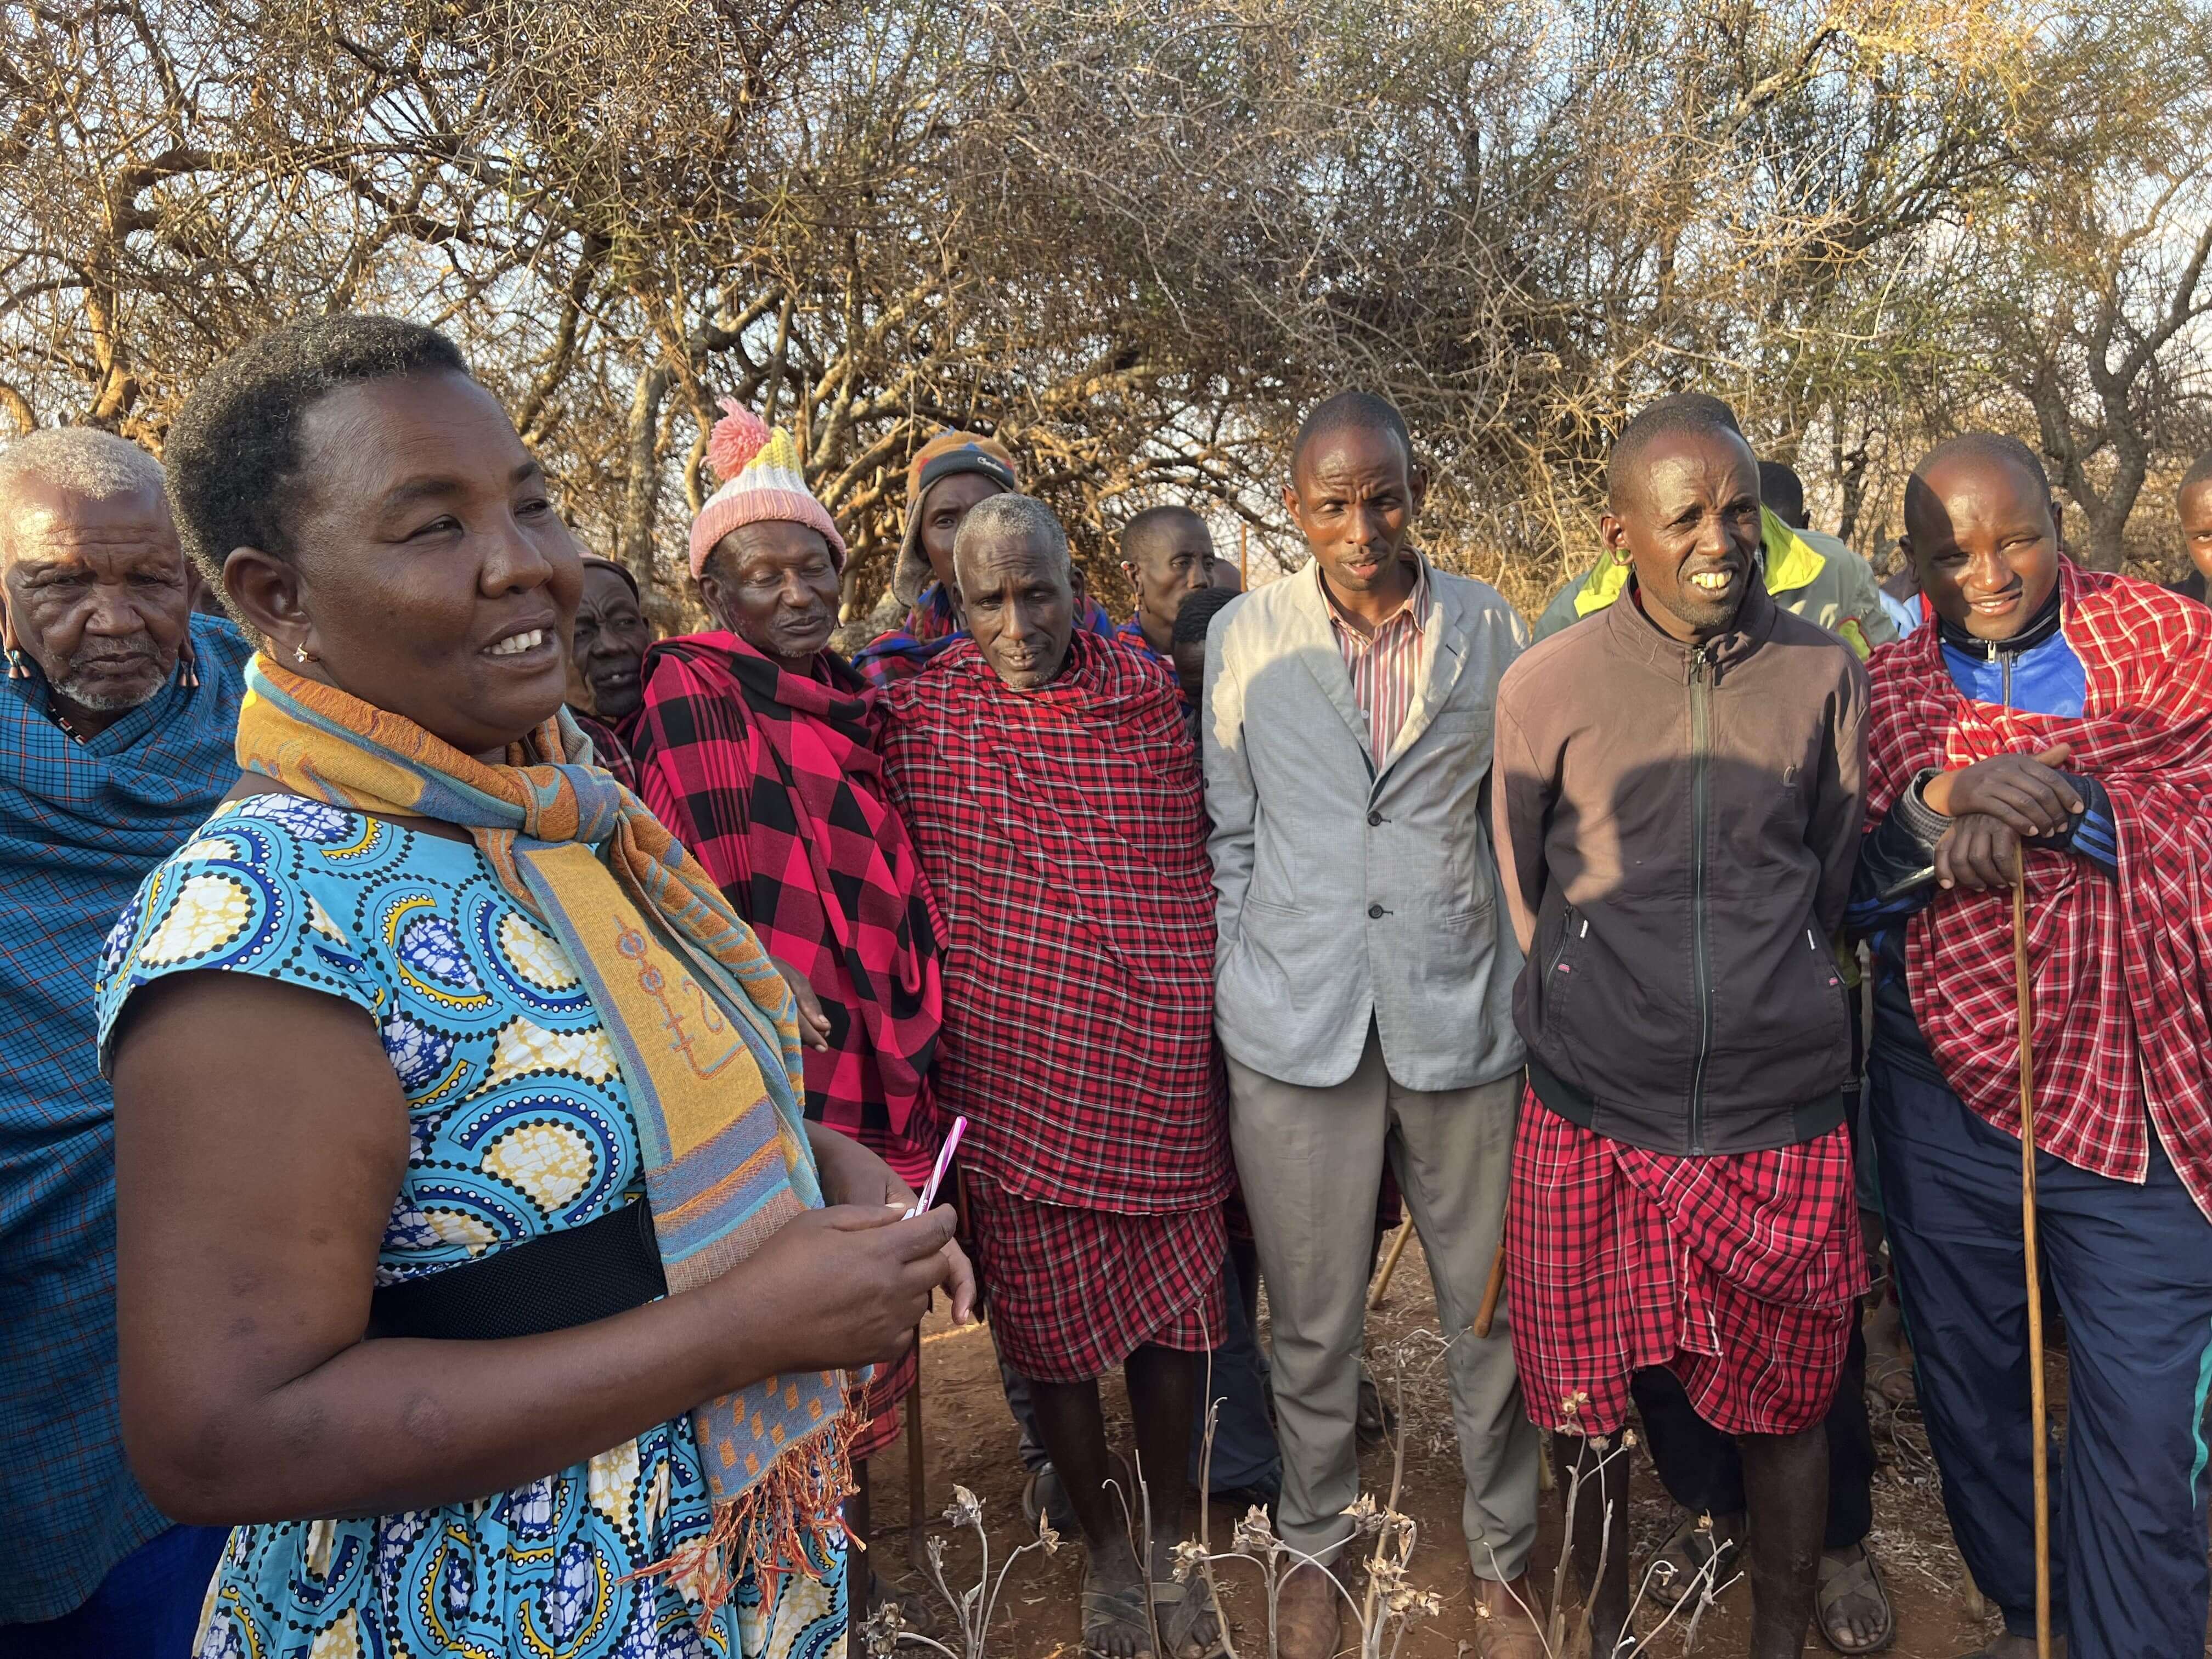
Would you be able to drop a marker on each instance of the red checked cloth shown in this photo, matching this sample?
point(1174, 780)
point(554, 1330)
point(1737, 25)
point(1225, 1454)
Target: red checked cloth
point(879, 1404)
point(1064, 835)
point(1742, 1272)
point(773, 783)
point(1072, 1293)
point(2122, 972)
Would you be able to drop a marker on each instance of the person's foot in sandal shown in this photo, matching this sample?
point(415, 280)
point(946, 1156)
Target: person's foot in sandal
point(1850, 1604)
point(1682, 1565)
point(1184, 1613)
point(1116, 1622)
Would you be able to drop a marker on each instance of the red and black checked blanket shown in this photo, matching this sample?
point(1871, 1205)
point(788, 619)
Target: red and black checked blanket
point(1064, 834)
point(2122, 973)
point(1740, 1271)
point(773, 783)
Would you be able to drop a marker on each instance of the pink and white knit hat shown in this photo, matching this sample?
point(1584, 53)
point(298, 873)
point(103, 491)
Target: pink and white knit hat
point(764, 482)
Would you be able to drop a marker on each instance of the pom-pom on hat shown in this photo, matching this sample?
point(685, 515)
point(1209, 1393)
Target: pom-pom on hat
point(762, 483)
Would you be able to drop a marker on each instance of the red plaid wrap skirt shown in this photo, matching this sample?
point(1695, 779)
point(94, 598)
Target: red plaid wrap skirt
point(879, 1403)
point(1742, 1272)
point(1072, 1293)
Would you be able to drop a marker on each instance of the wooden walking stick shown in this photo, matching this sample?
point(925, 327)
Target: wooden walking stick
point(917, 1501)
point(2024, 1000)
point(1491, 1291)
point(1389, 1264)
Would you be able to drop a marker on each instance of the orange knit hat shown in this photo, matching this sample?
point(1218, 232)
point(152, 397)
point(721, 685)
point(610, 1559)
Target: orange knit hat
point(943, 456)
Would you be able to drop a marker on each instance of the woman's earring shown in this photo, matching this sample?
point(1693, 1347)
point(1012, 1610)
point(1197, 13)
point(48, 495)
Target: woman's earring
point(299, 654)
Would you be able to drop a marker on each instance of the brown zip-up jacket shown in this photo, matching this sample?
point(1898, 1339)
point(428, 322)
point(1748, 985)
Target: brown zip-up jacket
point(1677, 830)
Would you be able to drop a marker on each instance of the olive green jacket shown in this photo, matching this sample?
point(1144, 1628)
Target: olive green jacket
point(1811, 574)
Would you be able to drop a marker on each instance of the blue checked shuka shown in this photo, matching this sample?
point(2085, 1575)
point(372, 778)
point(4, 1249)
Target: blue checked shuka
point(81, 824)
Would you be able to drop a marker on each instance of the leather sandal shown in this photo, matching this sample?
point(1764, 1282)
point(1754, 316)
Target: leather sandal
point(1849, 1586)
point(1180, 1612)
point(1116, 1611)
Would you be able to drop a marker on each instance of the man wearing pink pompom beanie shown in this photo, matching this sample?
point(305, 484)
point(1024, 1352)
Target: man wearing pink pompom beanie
point(755, 744)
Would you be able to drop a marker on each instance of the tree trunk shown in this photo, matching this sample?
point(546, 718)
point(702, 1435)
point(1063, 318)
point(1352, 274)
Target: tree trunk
point(641, 485)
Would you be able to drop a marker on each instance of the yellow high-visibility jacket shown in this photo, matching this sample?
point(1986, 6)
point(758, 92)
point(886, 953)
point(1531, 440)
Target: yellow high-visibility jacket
point(1811, 574)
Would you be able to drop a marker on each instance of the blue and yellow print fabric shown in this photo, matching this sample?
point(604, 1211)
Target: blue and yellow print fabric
point(519, 1126)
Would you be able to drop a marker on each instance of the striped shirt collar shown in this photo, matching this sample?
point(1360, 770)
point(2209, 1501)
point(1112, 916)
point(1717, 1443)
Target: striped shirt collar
point(1385, 667)
point(1415, 610)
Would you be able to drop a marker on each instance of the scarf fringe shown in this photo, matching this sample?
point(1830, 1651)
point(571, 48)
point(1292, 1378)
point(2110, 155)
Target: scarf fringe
point(778, 1526)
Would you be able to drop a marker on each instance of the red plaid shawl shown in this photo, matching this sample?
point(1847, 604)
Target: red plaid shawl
point(773, 783)
point(1064, 833)
point(2122, 973)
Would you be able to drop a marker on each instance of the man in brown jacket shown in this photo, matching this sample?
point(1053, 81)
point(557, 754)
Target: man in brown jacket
point(1680, 785)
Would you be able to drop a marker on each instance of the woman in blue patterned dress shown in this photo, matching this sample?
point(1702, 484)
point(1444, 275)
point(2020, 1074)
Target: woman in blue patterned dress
point(354, 1050)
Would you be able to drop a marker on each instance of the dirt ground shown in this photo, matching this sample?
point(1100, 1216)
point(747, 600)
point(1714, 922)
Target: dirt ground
point(971, 1441)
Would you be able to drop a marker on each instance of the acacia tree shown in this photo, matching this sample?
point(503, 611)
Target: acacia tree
point(1135, 243)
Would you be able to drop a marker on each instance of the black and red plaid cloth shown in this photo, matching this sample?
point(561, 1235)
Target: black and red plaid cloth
point(2122, 972)
point(772, 782)
point(1064, 834)
point(1072, 1293)
point(608, 749)
point(1742, 1272)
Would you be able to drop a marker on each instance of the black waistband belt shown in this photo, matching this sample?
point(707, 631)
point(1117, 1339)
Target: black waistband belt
point(550, 1283)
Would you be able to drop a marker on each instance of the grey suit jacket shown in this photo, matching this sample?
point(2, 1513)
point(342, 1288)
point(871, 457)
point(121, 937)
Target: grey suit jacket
point(1350, 884)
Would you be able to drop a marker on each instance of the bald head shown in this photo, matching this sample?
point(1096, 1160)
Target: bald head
point(1984, 448)
point(1982, 530)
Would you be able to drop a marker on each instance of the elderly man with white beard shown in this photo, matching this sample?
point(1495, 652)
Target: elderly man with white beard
point(117, 727)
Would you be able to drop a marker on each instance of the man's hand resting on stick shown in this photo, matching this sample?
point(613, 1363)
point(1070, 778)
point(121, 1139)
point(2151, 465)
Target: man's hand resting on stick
point(2028, 793)
point(1994, 804)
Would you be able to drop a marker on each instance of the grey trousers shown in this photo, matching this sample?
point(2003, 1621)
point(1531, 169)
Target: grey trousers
point(1309, 1160)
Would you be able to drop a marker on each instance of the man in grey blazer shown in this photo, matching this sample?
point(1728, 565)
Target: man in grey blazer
point(1364, 982)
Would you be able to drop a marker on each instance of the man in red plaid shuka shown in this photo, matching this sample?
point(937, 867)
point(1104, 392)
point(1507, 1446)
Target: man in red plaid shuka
point(2071, 711)
point(1055, 802)
point(1680, 790)
point(756, 745)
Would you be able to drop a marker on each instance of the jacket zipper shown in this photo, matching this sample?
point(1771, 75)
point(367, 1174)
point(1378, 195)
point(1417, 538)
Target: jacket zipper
point(1566, 936)
point(1700, 950)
